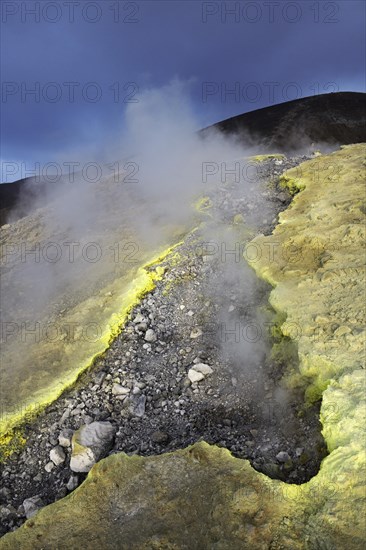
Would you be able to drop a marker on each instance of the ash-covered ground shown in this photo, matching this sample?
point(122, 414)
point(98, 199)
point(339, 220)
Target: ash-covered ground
point(209, 308)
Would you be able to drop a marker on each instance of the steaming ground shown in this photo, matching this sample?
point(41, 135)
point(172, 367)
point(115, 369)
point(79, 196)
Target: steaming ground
point(209, 308)
point(66, 268)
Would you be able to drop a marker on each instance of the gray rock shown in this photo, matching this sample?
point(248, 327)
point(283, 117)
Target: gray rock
point(32, 505)
point(64, 438)
point(283, 457)
point(141, 327)
point(139, 406)
point(72, 483)
point(282, 196)
point(49, 466)
point(5, 511)
point(4, 494)
point(90, 443)
point(150, 335)
point(139, 319)
point(8, 513)
point(99, 378)
point(65, 416)
point(117, 389)
point(20, 511)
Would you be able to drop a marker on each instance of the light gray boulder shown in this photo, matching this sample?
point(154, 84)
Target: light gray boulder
point(89, 444)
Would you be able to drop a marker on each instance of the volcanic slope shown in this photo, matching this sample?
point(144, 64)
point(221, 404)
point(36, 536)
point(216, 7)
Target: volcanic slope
point(202, 497)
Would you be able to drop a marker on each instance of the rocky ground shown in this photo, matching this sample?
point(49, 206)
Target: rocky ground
point(179, 372)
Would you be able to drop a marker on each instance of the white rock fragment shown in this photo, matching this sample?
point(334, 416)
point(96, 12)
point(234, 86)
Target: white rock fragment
point(90, 443)
point(64, 438)
point(139, 319)
point(57, 455)
point(195, 333)
point(195, 376)
point(203, 368)
point(117, 389)
point(198, 371)
point(49, 466)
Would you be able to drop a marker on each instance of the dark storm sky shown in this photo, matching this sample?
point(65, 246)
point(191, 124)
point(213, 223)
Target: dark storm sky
point(85, 60)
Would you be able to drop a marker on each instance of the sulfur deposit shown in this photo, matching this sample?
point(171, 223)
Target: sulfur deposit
point(202, 497)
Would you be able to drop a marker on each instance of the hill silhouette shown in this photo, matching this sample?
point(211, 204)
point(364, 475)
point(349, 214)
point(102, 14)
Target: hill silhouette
point(329, 118)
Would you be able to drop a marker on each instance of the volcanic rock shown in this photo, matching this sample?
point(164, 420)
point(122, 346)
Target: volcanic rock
point(57, 455)
point(203, 368)
point(65, 437)
point(32, 505)
point(150, 335)
point(89, 444)
point(195, 376)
